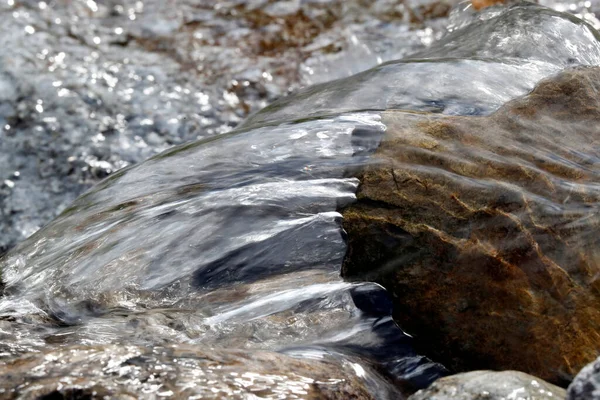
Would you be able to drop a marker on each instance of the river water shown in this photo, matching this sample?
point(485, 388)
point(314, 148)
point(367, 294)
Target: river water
point(233, 241)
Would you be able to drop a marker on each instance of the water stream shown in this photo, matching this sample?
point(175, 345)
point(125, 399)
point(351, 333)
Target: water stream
point(234, 241)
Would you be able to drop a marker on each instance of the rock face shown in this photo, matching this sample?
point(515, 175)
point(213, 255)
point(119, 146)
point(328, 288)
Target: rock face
point(490, 385)
point(485, 230)
point(586, 385)
point(130, 372)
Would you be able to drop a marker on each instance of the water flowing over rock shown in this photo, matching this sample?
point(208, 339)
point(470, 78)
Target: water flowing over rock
point(89, 87)
point(471, 71)
point(485, 230)
point(235, 241)
point(154, 255)
point(490, 385)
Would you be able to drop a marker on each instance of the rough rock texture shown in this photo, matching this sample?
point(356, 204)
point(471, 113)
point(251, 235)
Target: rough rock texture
point(490, 385)
point(130, 372)
point(586, 385)
point(485, 230)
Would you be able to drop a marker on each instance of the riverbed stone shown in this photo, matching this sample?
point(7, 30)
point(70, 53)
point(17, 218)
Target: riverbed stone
point(586, 385)
point(484, 230)
point(490, 385)
point(174, 372)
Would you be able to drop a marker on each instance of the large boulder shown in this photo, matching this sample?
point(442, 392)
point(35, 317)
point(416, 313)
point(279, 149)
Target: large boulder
point(484, 230)
point(490, 385)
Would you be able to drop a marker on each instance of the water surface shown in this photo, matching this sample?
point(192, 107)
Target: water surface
point(234, 241)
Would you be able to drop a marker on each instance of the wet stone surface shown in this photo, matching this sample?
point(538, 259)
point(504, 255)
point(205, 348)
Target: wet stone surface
point(490, 385)
point(484, 230)
point(177, 372)
point(586, 385)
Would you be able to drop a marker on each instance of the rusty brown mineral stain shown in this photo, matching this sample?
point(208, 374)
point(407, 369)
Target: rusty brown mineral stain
point(481, 4)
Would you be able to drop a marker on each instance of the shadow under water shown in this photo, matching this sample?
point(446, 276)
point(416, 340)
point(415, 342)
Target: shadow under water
point(235, 242)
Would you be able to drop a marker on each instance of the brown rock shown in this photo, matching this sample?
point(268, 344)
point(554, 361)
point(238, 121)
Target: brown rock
point(485, 230)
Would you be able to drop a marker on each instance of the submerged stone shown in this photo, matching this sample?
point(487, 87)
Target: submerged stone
point(176, 372)
point(484, 229)
point(490, 385)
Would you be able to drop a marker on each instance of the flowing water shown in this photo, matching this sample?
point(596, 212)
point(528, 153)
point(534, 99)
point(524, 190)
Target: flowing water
point(234, 241)
point(90, 87)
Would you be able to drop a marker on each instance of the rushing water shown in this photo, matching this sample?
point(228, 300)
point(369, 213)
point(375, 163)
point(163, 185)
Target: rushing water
point(235, 242)
point(90, 87)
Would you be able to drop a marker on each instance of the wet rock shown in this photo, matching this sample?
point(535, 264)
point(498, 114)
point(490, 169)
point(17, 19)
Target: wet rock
point(490, 385)
point(586, 385)
point(176, 372)
point(485, 230)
